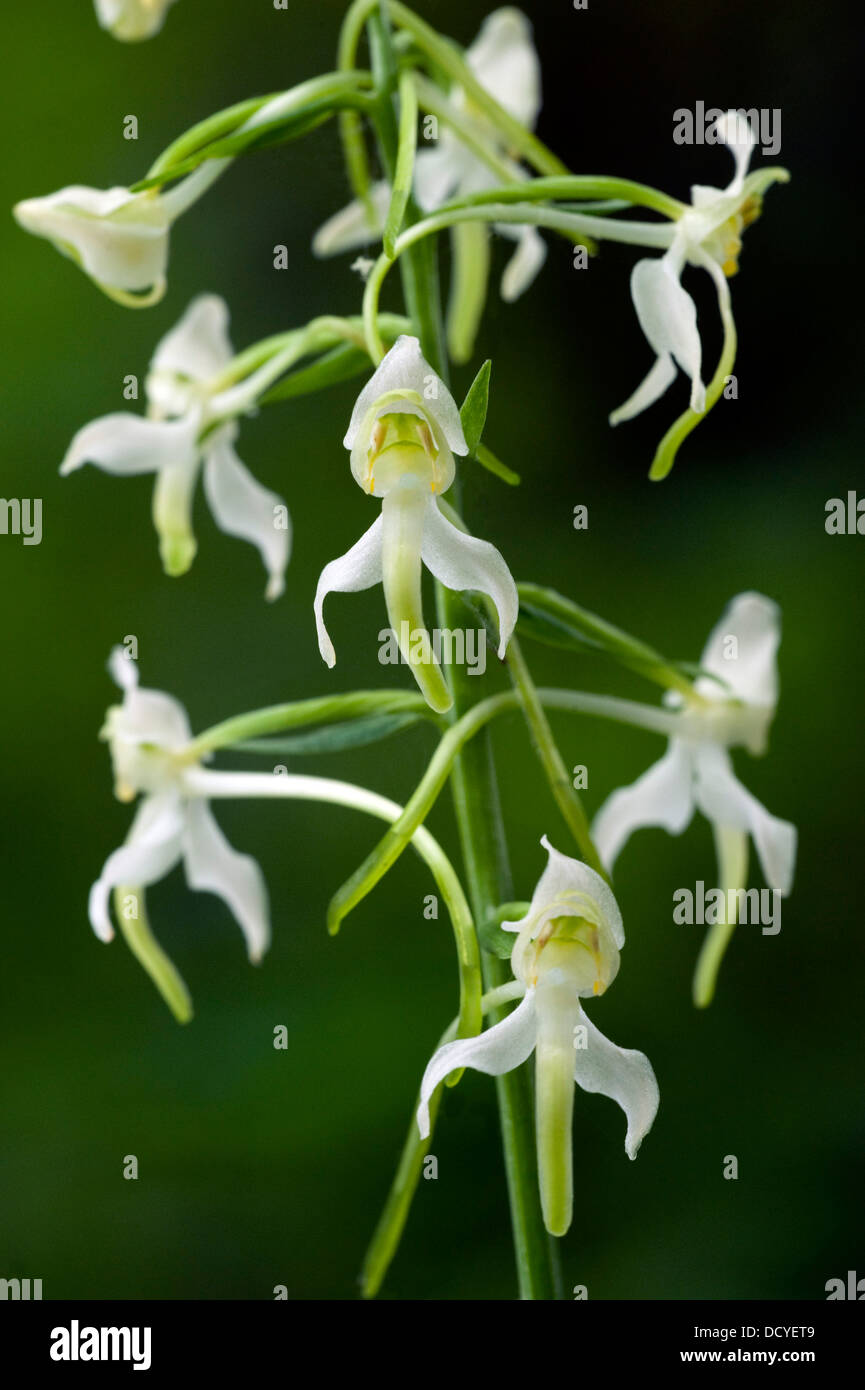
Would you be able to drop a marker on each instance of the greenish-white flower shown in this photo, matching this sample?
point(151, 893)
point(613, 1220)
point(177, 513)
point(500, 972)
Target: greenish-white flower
point(707, 235)
point(132, 20)
point(403, 434)
point(187, 434)
point(567, 949)
point(118, 238)
point(737, 693)
point(147, 736)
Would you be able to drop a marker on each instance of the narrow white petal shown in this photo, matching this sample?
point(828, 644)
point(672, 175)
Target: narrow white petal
point(748, 665)
point(737, 134)
point(359, 568)
point(622, 1074)
point(405, 368)
point(213, 866)
point(242, 507)
point(151, 850)
point(350, 228)
point(499, 1049)
point(662, 796)
point(124, 670)
point(464, 562)
point(723, 800)
point(126, 444)
point(653, 386)
point(198, 346)
point(668, 317)
point(524, 264)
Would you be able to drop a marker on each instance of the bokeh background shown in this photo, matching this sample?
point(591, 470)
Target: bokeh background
point(261, 1167)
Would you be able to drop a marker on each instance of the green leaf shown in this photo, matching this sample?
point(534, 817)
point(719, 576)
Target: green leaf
point(340, 364)
point(334, 738)
point(473, 413)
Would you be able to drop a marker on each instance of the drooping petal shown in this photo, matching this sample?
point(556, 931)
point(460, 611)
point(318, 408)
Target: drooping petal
point(243, 507)
point(498, 1050)
point(558, 1009)
point(350, 228)
point(723, 800)
point(120, 239)
point(504, 60)
point(622, 1074)
point(126, 444)
point(661, 375)
point(196, 349)
point(662, 796)
point(152, 848)
point(748, 664)
point(359, 568)
point(404, 368)
point(465, 562)
point(668, 317)
point(213, 866)
point(525, 263)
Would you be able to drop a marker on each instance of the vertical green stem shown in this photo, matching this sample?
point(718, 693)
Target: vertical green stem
point(478, 812)
point(473, 780)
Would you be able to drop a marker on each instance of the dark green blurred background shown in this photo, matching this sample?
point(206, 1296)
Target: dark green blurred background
point(260, 1167)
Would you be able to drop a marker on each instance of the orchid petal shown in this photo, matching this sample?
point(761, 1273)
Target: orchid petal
point(439, 170)
point(750, 668)
point(152, 848)
point(736, 132)
point(126, 444)
point(723, 800)
point(501, 1048)
point(465, 562)
point(350, 228)
point(120, 239)
point(504, 61)
point(622, 1074)
point(242, 507)
point(148, 716)
point(569, 888)
point(213, 866)
point(132, 20)
point(661, 375)
point(404, 368)
point(662, 796)
point(668, 317)
point(198, 347)
point(524, 265)
point(359, 568)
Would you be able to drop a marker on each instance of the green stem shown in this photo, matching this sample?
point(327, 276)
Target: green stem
point(477, 806)
point(545, 746)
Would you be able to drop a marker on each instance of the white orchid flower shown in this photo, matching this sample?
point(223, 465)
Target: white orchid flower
point(567, 948)
point(147, 736)
point(403, 434)
point(187, 433)
point(118, 238)
point(132, 20)
point(505, 63)
point(707, 235)
point(736, 698)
